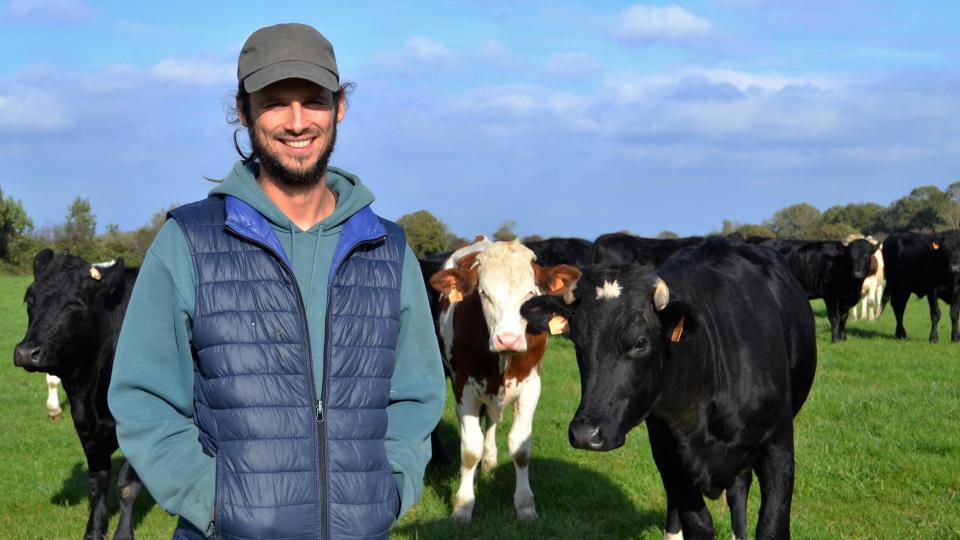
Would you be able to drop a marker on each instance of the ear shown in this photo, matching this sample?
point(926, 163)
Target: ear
point(678, 321)
point(539, 311)
point(454, 283)
point(111, 277)
point(41, 260)
point(556, 280)
point(341, 106)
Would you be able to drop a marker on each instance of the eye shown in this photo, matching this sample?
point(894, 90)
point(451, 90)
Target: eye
point(642, 345)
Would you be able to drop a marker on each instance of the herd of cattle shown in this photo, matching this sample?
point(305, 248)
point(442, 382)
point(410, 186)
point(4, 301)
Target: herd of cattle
point(709, 340)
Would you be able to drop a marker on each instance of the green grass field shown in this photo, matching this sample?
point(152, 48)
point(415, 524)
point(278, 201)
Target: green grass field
point(878, 453)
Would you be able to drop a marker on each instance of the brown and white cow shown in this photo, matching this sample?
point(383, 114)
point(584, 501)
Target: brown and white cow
point(871, 292)
point(494, 361)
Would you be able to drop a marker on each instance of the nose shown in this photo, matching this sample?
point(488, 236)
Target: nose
point(26, 355)
point(508, 342)
point(296, 117)
point(585, 436)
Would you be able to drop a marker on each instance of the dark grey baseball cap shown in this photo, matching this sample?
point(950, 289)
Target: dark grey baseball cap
point(287, 51)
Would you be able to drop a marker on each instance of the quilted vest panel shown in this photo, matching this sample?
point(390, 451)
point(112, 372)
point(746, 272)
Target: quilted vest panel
point(290, 464)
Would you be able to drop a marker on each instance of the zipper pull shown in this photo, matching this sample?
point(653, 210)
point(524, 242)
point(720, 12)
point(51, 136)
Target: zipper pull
point(319, 411)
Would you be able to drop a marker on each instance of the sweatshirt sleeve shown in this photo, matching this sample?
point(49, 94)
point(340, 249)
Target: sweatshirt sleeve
point(417, 388)
point(151, 389)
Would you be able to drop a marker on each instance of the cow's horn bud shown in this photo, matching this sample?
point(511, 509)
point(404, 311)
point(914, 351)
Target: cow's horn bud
point(661, 295)
point(94, 273)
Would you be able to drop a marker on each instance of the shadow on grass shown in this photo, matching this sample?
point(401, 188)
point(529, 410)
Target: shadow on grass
point(572, 502)
point(76, 490)
point(861, 332)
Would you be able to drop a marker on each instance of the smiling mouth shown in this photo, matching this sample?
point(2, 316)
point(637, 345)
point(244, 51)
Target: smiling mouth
point(299, 143)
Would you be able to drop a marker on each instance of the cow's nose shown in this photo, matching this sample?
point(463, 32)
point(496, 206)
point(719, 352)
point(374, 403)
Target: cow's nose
point(27, 356)
point(508, 342)
point(585, 436)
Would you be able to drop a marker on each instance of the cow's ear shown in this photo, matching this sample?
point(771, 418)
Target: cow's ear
point(556, 280)
point(547, 313)
point(678, 320)
point(454, 283)
point(111, 277)
point(41, 260)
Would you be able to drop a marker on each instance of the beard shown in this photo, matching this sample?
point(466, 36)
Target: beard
point(304, 177)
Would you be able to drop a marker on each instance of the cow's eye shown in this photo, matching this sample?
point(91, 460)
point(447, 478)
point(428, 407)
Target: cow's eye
point(642, 345)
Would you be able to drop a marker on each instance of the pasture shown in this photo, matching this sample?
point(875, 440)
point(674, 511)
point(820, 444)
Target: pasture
point(878, 452)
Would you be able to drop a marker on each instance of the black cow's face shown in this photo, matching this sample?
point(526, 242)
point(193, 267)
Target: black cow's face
point(621, 323)
point(858, 253)
point(948, 246)
point(62, 306)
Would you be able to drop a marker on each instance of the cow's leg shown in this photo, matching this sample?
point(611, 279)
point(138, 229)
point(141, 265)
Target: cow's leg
point(687, 515)
point(775, 469)
point(54, 412)
point(899, 302)
point(489, 461)
point(471, 449)
point(737, 502)
point(128, 486)
point(954, 320)
point(99, 480)
point(878, 298)
point(842, 330)
point(519, 442)
point(833, 313)
point(934, 315)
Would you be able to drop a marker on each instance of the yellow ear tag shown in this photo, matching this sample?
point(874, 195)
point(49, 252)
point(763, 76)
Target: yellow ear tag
point(677, 331)
point(94, 273)
point(936, 245)
point(454, 296)
point(558, 325)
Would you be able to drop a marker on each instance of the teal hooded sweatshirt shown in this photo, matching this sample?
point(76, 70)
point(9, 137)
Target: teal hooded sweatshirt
point(151, 389)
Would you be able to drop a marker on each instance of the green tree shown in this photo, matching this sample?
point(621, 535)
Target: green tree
point(14, 223)
point(667, 234)
point(748, 229)
point(505, 233)
point(795, 221)
point(864, 217)
point(925, 208)
point(425, 233)
point(79, 233)
point(952, 214)
point(831, 231)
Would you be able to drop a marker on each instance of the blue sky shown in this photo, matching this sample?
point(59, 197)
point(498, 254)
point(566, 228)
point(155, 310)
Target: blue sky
point(569, 118)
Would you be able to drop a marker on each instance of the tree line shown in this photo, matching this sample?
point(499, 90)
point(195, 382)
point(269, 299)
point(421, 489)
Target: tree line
point(20, 240)
point(925, 208)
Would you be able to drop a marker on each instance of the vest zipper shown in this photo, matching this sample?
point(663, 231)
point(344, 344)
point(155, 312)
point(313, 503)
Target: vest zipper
point(326, 372)
point(319, 432)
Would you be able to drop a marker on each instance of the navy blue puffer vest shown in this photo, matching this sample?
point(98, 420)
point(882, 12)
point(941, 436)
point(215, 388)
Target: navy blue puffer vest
point(291, 464)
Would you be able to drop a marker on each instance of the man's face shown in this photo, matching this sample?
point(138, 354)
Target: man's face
point(293, 129)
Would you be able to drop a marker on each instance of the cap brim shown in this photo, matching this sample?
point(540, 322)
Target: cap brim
point(291, 69)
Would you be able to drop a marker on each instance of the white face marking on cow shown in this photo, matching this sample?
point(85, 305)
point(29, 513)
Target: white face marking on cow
point(673, 536)
point(505, 280)
point(609, 290)
point(568, 297)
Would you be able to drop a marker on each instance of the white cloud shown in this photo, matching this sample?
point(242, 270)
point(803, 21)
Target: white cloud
point(194, 72)
point(642, 24)
point(571, 65)
point(58, 10)
point(419, 53)
point(31, 111)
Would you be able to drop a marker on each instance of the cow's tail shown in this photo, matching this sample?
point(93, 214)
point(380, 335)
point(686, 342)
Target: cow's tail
point(884, 298)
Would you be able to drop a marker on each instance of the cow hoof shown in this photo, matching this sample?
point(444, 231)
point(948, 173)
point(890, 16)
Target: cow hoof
point(56, 417)
point(527, 514)
point(461, 516)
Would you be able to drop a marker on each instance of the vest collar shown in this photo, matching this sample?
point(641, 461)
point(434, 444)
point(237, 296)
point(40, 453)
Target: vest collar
point(243, 219)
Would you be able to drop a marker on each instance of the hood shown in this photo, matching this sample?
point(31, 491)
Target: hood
point(352, 196)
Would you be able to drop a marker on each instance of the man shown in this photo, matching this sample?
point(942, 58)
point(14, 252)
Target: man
point(277, 375)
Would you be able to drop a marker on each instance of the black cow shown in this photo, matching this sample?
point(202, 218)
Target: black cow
point(620, 248)
point(74, 311)
point(553, 251)
point(717, 352)
point(830, 270)
point(926, 265)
